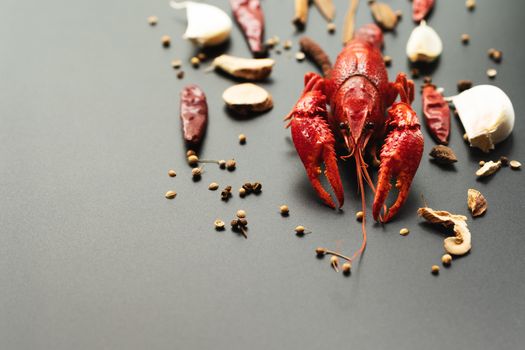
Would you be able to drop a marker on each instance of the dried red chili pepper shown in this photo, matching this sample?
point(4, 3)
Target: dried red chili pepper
point(372, 33)
point(193, 114)
point(421, 8)
point(437, 113)
point(249, 16)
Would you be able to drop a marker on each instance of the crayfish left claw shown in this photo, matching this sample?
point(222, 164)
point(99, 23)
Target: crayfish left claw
point(400, 157)
point(314, 143)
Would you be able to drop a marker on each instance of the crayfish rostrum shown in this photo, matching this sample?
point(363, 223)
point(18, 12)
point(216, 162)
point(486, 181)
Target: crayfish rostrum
point(363, 115)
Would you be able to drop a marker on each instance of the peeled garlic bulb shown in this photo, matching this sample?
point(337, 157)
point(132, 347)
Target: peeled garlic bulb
point(487, 115)
point(424, 44)
point(207, 25)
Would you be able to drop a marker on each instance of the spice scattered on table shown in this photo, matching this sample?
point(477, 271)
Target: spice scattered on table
point(176, 64)
point(245, 68)
point(515, 165)
point(219, 224)
point(334, 262)
point(250, 18)
point(464, 85)
point(247, 98)
point(193, 114)
point(504, 161)
point(488, 168)
point(196, 173)
point(404, 231)
point(195, 62)
point(435, 270)
point(388, 60)
point(331, 27)
point(241, 214)
point(446, 259)
point(193, 160)
point(359, 216)
point(153, 20)
point(231, 164)
point(477, 204)
point(165, 40)
point(284, 210)
point(346, 268)
point(300, 230)
point(491, 73)
point(226, 194)
point(242, 139)
point(172, 173)
point(240, 225)
point(436, 112)
point(213, 186)
point(465, 38)
point(170, 194)
point(300, 56)
point(180, 74)
point(208, 25)
point(443, 155)
point(495, 55)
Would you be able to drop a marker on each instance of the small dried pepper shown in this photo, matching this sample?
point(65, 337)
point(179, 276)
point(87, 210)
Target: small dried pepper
point(437, 113)
point(249, 16)
point(193, 114)
point(421, 8)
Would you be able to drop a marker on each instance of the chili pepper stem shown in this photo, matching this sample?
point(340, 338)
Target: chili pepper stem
point(243, 232)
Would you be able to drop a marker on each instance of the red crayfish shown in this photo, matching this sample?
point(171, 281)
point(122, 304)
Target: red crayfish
point(363, 114)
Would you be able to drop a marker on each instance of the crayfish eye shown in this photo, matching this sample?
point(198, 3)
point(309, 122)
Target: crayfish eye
point(369, 125)
point(343, 125)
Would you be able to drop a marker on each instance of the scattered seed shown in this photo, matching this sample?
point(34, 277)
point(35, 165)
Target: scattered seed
point(219, 225)
point(446, 259)
point(222, 164)
point(257, 187)
point(443, 154)
point(470, 4)
point(331, 27)
point(435, 269)
point(201, 56)
point(226, 193)
point(465, 137)
point(196, 172)
point(241, 214)
point(270, 43)
point(287, 45)
point(299, 230)
point(213, 186)
point(359, 216)
point(176, 64)
point(180, 74)
point(230, 165)
point(495, 55)
point(190, 152)
point(334, 261)
point(477, 204)
point(320, 251)
point(284, 210)
point(153, 20)
point(243, 222)
point(346, 268)
point(195, 62)
point(193, 160)
point(491, 73)
point(242, 192)
point(504, 160)
point(404, 231)
point(242, 139)
point(481, 163)
point(465, 38)
point(170, 194)
point(388, 60)
point(514, 164)
point(172, 173)
point(248, 187)
point(464, 85)
point(300, 56)
point(165, 40)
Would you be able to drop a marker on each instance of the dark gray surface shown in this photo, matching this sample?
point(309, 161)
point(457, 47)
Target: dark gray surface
point(93, 257)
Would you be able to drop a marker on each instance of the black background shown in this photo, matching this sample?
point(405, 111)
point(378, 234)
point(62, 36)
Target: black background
point(92, 256)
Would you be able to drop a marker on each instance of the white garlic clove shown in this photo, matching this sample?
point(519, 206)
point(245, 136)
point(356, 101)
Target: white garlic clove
point(487, 115)
point(424, 44)
point(207, 25)
point(462, 243)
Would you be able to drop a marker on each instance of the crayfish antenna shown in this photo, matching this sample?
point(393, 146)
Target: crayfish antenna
point(360, 174)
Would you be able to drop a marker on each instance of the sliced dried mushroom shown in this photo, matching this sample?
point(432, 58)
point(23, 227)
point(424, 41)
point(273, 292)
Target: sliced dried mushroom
point(476, 202)
point(245, 68)
point(461, 243)
point(247, 98)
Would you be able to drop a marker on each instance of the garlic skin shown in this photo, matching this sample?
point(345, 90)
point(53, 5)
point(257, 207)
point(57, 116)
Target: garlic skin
point(487, 115)
point(424, 44)
point(208, 25)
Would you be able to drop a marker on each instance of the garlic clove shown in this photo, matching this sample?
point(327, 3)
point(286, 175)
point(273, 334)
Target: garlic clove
point(424, 44)
point(208, 25)
point(461, 243)
point(487, 115)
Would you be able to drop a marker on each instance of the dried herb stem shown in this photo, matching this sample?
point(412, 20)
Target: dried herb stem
point(348, 28)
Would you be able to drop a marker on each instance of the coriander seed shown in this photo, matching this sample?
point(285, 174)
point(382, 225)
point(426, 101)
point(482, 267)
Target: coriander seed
point(230, 164)
point(287, 45)
point(180, 74)
point(222, 164)
point(346, 268)
point(243, 222)
point(404, 231)
point(176, 64)
point(213, 186)
point(359, 216)
point(331, 27)
point(241, 214)
point(219, 225)
point(193, 160)
point(300, 56)
point(242, 192)
point(172, 173)
point(388, 60)
point(491, 73)
point(257, 187)
point(446, 259)
point(190, 152)
point(435, 269)
point(153, 20)
point(514, 164)
point(504, 160)
point(284, 210)
point(299, 230)
point(165, 40)
point(465, 39)
point(196, 172)
point(320, 251)
point(170, 194)
point(481, 163)
point(242, 139)
point(195, 62)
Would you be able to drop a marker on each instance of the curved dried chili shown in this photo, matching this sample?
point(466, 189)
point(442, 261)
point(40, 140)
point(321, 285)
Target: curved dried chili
point(437, 113)
point(249, 16)
point(193, 114)
point(421, 8)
